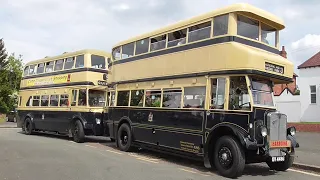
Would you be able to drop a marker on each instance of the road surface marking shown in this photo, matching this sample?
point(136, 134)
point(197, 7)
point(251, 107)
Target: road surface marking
point(113, 151)
point(143, 159)
point(303, 172)
point(187, 170)
point(90, 146)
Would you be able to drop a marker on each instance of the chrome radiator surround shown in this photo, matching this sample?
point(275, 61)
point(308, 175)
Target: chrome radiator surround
point(277, 130)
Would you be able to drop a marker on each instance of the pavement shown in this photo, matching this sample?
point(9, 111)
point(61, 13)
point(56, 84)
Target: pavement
point(8, 125)
point(43, 156)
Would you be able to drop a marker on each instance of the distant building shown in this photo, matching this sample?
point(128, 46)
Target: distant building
point(309, 83)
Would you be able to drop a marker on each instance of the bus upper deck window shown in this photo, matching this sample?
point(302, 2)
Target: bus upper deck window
point(127, 50)
point(68, 64)
point(98, 62)
point(142, 46)
point(49, 66)
point(40, 68)
point(199, 31)
point(80, 61)
point(116, 53)
point(268, 34)
point(158, 43)
point(248, 27)
point(220, 25)
point(177, 38)
point(59, 65)
point(26, 71)
point(32, 70)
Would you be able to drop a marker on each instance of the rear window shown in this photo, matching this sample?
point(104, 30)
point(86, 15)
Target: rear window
point(98, 62)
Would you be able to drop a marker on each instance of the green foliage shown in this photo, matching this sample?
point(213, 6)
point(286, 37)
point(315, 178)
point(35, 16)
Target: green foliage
point(10, 77)
point(297, 92)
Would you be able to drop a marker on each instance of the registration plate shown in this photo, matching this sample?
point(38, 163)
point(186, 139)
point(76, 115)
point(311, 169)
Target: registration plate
point(277, 159)
point(280, 144)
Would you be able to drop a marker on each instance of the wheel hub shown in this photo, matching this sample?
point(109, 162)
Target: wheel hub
point(225, 157)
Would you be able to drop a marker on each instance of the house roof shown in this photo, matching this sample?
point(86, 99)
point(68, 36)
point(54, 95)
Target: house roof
point(286, 88)
point(312, 62)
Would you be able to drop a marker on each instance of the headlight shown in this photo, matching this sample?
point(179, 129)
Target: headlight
point(264, 131)
point(98, 121)
point(291, 131)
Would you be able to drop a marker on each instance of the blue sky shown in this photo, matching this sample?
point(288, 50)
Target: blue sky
point(39, 28)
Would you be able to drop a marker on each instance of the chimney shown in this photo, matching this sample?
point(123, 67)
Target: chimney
point(283, 52)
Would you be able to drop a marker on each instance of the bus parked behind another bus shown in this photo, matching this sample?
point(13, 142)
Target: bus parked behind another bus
point(202, 89)
point(65, 94)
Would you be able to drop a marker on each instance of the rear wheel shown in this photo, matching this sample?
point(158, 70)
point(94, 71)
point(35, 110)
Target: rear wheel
point(229, 157)
point(78, 132)
point(284, 165)
point(28, 126)
point(124, 138)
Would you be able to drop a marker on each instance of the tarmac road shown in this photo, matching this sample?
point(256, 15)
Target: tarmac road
point(42, 156)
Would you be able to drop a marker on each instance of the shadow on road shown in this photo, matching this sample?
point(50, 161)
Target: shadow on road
point(260, 169)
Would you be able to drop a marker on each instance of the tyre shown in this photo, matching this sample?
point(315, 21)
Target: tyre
point(124, 138)
point(78, 132)
point(28, 126)
point(229, 157)
point(112, 140)
point(282, 166)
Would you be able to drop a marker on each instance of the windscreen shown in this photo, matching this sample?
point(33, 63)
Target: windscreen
point(261, 92)
point(97, 98)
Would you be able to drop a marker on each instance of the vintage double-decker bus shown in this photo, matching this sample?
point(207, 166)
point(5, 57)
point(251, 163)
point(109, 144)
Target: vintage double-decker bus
point(65, 94)
point(202, 88)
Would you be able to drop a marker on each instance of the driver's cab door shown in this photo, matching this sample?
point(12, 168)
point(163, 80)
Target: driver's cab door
point(108, 121)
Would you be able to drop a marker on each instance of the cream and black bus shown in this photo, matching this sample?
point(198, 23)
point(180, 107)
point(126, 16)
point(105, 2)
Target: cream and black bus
point(202, 88)
point(65, 94)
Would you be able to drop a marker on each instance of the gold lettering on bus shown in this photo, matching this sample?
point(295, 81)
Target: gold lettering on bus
point(50, 80)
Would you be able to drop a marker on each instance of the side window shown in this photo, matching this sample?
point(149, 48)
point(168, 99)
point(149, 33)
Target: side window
point(26, 71)
point(64, 100)
point(40, 68)
point(98, 62)
point(80, 61)
point(74, 97)
point(220, 25)
point(142, 46)
point(116, 54)
point(112, 97)
point(49, 66)
point(194, 97)
point(200, 31)
point(32, 70)
point(123, 98)
point(54, 100)
point(248, 27)
point(268, 34)
point(59, 65)
point(20, 100)
point(158, 43)
point(82, 101)
point(45, 100)
point(29, 102)
point(239, 98)
point(218, 87)
point(36, 101)
point(153, 98)
point(177, 38)
point(171, 98)
point(313, 94)
point(69, 62)
point(127, 50)
point(137, 98)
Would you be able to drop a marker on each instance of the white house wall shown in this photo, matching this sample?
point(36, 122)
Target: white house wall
point(307, 77)
point(290, 105)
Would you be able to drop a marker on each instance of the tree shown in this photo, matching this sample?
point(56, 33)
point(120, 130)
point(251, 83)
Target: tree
point(3, 56)
point(10, 78)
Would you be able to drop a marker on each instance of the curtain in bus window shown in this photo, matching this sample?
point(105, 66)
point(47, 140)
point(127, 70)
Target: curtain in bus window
point(194, 97)
point(98, 62)
point(69, 63)
point(80, 61)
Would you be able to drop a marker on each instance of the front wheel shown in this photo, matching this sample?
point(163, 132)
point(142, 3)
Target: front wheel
point(124, 138)
point(78, 132)
point(229, 157)
point(282, 166)
point(28, 126)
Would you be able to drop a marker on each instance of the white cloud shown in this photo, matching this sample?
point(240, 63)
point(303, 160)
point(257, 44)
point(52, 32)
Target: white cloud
point(309, 40)
point(120, 7)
